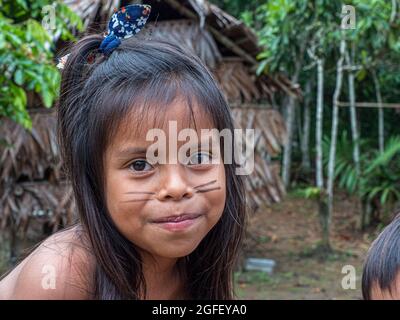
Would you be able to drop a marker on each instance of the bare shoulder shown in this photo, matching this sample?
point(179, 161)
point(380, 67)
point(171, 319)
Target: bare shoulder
point(60, 268)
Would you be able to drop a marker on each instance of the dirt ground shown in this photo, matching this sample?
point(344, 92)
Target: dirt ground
point(288, 233)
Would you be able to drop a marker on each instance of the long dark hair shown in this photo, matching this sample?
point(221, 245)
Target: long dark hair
point(97, 92)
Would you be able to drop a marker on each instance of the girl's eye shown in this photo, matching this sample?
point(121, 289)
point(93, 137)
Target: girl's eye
point(140, 166)
point(200, 158)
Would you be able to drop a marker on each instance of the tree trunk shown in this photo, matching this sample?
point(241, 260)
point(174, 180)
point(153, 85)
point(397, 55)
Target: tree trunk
point(287, 154)
point(324, 219)
point(323, 210)
point(394, 11)
point(335, 120)
point(355, 135)
point(381, 122)
point(305, 141)
point(353, 119)
point(319, 124)
point(290, 117)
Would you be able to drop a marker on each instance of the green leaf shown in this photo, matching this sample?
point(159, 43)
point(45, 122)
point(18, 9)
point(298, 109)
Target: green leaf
point(19, 77)
point(47, 97)
point(361, 74)
point(262, 67)
point(385, 195)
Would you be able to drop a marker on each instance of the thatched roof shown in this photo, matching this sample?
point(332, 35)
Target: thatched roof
point(188, 33)
point(29, 154)
point(92, 10)
point(32, 184)
point(213, 34)
point(95, 14)
point(264, 185)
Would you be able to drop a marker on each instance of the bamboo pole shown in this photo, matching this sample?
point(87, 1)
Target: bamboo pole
point(369, 104)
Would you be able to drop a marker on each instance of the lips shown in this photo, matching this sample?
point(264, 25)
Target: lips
point(178, 218)
point(181, 223)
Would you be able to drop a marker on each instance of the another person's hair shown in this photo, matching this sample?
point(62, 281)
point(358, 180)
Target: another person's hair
point(140, 78)
point(382, 264)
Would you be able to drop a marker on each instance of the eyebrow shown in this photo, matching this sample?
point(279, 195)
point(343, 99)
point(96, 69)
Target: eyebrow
point(131, 151)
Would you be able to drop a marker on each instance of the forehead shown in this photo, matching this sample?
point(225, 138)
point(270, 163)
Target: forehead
point(137, 123)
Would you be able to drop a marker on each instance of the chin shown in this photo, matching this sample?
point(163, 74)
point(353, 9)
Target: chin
point(175, 251)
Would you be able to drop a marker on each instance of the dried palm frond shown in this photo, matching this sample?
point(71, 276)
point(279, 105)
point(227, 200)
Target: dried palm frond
point(280, 83)
point(28, 154)
point(88, 9)
point(236, 82)
point(185, 32)
point(22, 203)
point(263, 185)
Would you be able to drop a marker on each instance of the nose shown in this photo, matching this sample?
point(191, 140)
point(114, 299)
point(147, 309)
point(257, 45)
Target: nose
point(174, 184)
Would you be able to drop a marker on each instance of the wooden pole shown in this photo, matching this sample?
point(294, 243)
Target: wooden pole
point(369, 104)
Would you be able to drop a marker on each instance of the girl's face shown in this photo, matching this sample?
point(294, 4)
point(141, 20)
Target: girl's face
point(164, 209)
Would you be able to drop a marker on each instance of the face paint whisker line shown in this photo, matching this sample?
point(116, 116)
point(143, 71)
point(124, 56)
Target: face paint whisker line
point(139, 192)
point(137, 200)
point(205, 184)
point(207, 190)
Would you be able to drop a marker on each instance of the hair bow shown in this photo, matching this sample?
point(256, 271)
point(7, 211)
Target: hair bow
point(123, 24)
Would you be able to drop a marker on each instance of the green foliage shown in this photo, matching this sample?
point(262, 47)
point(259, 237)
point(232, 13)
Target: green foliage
point(27, 53)
point(374, 32)
point(237, 7)
point(309, 193)
point(380, 173)
point(376, 39)
point(286, 28)
point(345, 172)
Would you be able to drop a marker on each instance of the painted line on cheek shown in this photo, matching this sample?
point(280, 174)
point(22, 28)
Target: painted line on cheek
point(207, 190)
point(137, 200)
point(139, 192)
point(205, 184)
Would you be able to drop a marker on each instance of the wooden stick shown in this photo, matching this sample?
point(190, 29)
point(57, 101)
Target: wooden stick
point(369, 104)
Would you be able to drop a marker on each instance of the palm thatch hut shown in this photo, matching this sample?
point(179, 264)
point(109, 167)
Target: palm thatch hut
point(33, 190)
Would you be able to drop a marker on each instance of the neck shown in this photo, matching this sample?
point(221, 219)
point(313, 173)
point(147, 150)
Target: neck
point(162, 277)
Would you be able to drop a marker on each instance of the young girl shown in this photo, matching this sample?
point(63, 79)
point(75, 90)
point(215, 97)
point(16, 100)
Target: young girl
point(381, 274)
point(146, 230)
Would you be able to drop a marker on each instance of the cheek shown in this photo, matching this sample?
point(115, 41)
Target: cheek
point(115, 189)
point(121, 209)
point(217, 199)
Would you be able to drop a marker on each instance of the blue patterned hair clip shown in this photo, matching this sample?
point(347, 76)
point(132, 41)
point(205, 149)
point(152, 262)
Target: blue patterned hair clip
point(124, 24)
